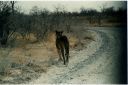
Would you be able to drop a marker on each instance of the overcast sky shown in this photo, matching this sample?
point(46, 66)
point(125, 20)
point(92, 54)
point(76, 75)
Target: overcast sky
point(69, 5)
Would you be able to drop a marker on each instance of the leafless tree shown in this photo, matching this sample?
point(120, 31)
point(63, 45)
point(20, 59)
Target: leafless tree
point(5, 12)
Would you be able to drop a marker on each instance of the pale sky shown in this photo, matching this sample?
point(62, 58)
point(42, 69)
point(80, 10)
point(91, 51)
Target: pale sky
point(69, 5)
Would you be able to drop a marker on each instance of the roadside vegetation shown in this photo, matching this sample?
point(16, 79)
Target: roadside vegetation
point(24, 38)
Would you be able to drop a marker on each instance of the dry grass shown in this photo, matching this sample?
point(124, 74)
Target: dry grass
point(27, 60)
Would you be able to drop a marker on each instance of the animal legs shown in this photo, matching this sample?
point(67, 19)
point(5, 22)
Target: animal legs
point(62, 51)
point(59, 52)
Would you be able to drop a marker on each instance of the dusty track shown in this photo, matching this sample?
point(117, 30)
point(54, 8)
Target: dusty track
point(94, 64)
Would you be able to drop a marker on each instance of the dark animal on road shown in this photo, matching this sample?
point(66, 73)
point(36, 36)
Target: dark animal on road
point(62, 45)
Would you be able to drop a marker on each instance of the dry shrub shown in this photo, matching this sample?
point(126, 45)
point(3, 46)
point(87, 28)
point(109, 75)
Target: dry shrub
point(50, 42)
point(18, 35)
point(31, 37)
point(73, 41)
point(18, 56)
point(27, 37)
point(40, 54)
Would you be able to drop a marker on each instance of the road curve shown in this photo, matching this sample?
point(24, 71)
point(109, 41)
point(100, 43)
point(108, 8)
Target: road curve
point(95, 64)
point(82, 64)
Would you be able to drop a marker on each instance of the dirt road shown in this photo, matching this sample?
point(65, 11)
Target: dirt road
point(97, 63)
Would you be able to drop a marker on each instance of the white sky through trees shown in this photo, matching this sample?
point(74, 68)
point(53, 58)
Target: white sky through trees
point(26, 6)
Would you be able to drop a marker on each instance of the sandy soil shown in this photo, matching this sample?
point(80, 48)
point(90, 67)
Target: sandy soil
point(95, 63)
